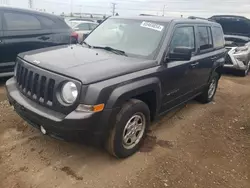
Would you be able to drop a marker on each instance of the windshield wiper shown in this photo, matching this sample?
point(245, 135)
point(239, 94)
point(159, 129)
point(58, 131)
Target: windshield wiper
point(110, 49)
point(83, 42)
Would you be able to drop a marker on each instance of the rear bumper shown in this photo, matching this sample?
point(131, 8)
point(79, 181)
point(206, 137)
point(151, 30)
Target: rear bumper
point(56, 124)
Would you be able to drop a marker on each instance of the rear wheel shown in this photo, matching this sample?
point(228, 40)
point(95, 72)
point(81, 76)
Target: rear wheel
point(208, 94)
point(129, 130)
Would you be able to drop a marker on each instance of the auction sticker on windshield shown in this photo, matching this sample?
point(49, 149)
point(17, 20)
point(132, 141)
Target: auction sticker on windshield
point(153, 26)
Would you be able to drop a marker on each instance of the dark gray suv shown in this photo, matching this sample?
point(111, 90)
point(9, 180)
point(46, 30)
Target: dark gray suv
point(128, 72)
point(23, 30)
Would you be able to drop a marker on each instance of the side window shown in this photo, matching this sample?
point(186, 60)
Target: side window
point(1, 23)
point(183, 37)
point(19, 21)
point(46, 21)
point(83, 26)
point(92, 26)
point(219, 41)
point(205, 37)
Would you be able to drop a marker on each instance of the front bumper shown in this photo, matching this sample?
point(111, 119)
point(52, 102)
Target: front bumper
point(73, 125)
point(237, 61)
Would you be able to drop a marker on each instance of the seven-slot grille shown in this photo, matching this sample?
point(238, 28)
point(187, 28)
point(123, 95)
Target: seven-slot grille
point(34, 85)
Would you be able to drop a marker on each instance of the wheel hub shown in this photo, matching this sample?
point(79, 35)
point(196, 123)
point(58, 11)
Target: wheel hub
point(212, 88)
point(134, 130)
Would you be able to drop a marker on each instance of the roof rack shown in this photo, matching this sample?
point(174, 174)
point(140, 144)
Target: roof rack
point(200, 18)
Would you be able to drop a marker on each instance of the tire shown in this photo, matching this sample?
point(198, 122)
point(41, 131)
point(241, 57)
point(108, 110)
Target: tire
point(244, 73)
point(208, 95)
point(116, 144)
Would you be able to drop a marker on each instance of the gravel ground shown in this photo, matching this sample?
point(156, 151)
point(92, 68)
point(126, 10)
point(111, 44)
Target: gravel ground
point(197, 145)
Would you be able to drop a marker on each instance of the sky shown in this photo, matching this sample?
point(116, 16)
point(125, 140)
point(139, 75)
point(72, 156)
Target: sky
point(203, 8)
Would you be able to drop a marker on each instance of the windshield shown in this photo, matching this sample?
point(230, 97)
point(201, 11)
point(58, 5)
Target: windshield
point(134, 37)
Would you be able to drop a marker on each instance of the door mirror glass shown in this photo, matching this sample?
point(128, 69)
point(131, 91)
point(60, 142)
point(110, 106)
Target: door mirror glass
point(181, 54)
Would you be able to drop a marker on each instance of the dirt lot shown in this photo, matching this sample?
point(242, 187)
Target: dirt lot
point(197, 146)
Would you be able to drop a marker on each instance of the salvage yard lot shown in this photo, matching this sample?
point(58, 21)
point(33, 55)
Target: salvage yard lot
point(195, 146)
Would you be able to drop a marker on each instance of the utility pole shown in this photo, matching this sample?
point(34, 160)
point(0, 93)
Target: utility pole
point(31, 4)
point(113, 8)
point(71, 8)
point(164, 10)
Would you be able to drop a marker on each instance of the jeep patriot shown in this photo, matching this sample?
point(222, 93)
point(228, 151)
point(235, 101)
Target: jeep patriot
point(126, 73)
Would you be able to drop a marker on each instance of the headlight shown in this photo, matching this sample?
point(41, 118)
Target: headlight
point(69, 93)
point(241, 49)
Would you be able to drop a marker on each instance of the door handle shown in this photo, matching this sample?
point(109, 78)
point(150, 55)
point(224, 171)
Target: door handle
point(1, 41)
point(194, 65)
point(43, 38)
point(214, 58)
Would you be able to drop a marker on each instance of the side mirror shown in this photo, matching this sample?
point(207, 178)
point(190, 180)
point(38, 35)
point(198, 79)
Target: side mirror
point(181, 54)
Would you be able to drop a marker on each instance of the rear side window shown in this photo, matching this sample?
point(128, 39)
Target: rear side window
point(46, 21)
point(183, 37)
point(1, 23)
point(20, 21)
point(92, 26)
point(83, 26)
point(205, 36)
point(218, 36)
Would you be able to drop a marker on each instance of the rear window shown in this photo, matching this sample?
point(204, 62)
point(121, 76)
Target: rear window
point(218, 37)
point(205, 37)
point(20, 21)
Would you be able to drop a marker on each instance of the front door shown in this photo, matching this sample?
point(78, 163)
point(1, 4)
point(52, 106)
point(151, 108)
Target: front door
point(177, 76)
point(22, 32)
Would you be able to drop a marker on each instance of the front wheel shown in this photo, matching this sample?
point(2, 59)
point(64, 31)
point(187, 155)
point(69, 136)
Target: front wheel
point(130, 129)
point(244, 73)
point(208, 94)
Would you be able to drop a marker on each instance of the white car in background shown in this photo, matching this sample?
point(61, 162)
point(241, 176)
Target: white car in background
point(83, 28)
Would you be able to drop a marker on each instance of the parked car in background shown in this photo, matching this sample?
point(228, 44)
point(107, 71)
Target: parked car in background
point(237, 33)
point(83, 28)
point(24, 30)
point(110, 88)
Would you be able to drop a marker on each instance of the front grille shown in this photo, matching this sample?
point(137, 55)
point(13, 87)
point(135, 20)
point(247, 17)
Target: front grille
point(42, 86)
point(34, 85)
point(228, 60)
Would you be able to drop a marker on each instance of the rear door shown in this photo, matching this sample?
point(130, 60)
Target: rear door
point(206, 52)
point(6, 68)
point(1, 39)
point(62, 33)
point(22, 32)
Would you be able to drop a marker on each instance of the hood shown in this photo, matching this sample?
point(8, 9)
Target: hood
point(235, 40)
point(84, 64)
point(233, 25)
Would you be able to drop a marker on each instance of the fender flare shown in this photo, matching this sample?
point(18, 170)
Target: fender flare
point(129, 90)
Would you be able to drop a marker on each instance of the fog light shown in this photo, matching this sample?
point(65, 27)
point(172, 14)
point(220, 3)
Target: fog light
point(43, 130)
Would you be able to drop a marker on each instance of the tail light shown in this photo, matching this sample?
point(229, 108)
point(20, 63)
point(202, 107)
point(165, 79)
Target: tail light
point(74, 35)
